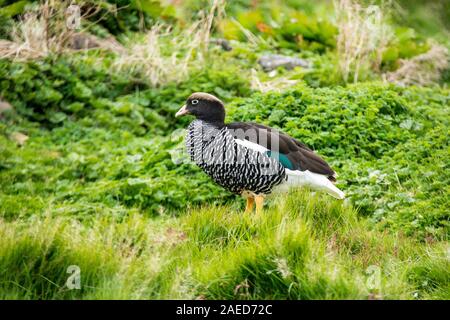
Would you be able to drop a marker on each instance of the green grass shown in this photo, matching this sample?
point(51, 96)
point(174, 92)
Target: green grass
point(304, 246)
point(111, 201)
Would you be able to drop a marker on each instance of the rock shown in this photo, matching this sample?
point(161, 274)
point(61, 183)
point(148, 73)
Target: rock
point(272, 61)
point(82, 41)
point(86, 41)
point(19, 138)
point(223, 43)
point(5, 106)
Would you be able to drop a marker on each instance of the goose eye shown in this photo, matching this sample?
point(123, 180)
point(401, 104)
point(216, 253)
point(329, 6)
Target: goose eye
point(194, 101)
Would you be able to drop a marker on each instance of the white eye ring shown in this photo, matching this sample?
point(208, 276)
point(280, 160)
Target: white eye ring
point(194, 101)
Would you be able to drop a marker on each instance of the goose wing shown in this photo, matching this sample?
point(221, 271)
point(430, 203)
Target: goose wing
point(292, 154)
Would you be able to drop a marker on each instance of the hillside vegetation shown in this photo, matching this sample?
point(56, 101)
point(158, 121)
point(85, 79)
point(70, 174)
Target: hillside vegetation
point(93, 172)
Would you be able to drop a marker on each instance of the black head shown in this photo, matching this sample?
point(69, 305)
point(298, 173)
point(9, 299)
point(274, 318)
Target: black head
point(204, 106)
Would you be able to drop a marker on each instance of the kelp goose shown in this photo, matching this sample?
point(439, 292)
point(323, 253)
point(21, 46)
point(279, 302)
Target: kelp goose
point(248, 158)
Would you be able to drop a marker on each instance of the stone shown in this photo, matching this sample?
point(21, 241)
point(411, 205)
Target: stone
point(19, 138)
point(273, 61)
point(226, 46)
point(86, 41)
point(5, 107)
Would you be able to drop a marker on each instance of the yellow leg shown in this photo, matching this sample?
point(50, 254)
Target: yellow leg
point(259, 203)
point(250, 203)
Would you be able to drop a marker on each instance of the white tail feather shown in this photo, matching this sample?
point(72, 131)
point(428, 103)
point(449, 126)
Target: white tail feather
point(313, 180)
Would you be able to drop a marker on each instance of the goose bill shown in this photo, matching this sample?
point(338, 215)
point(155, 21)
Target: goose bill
point(183, 111)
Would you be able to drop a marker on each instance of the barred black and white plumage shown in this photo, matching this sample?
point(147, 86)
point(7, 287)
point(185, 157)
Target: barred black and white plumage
point(249, 158)
point(230, 164)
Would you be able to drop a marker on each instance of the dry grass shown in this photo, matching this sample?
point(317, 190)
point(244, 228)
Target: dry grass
point(30, 37)
point(163, 56)
point(147, 58)
point(363, 36)
point(423, 69)
point(252, 39)
point(44, 31)
point(37, 33)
